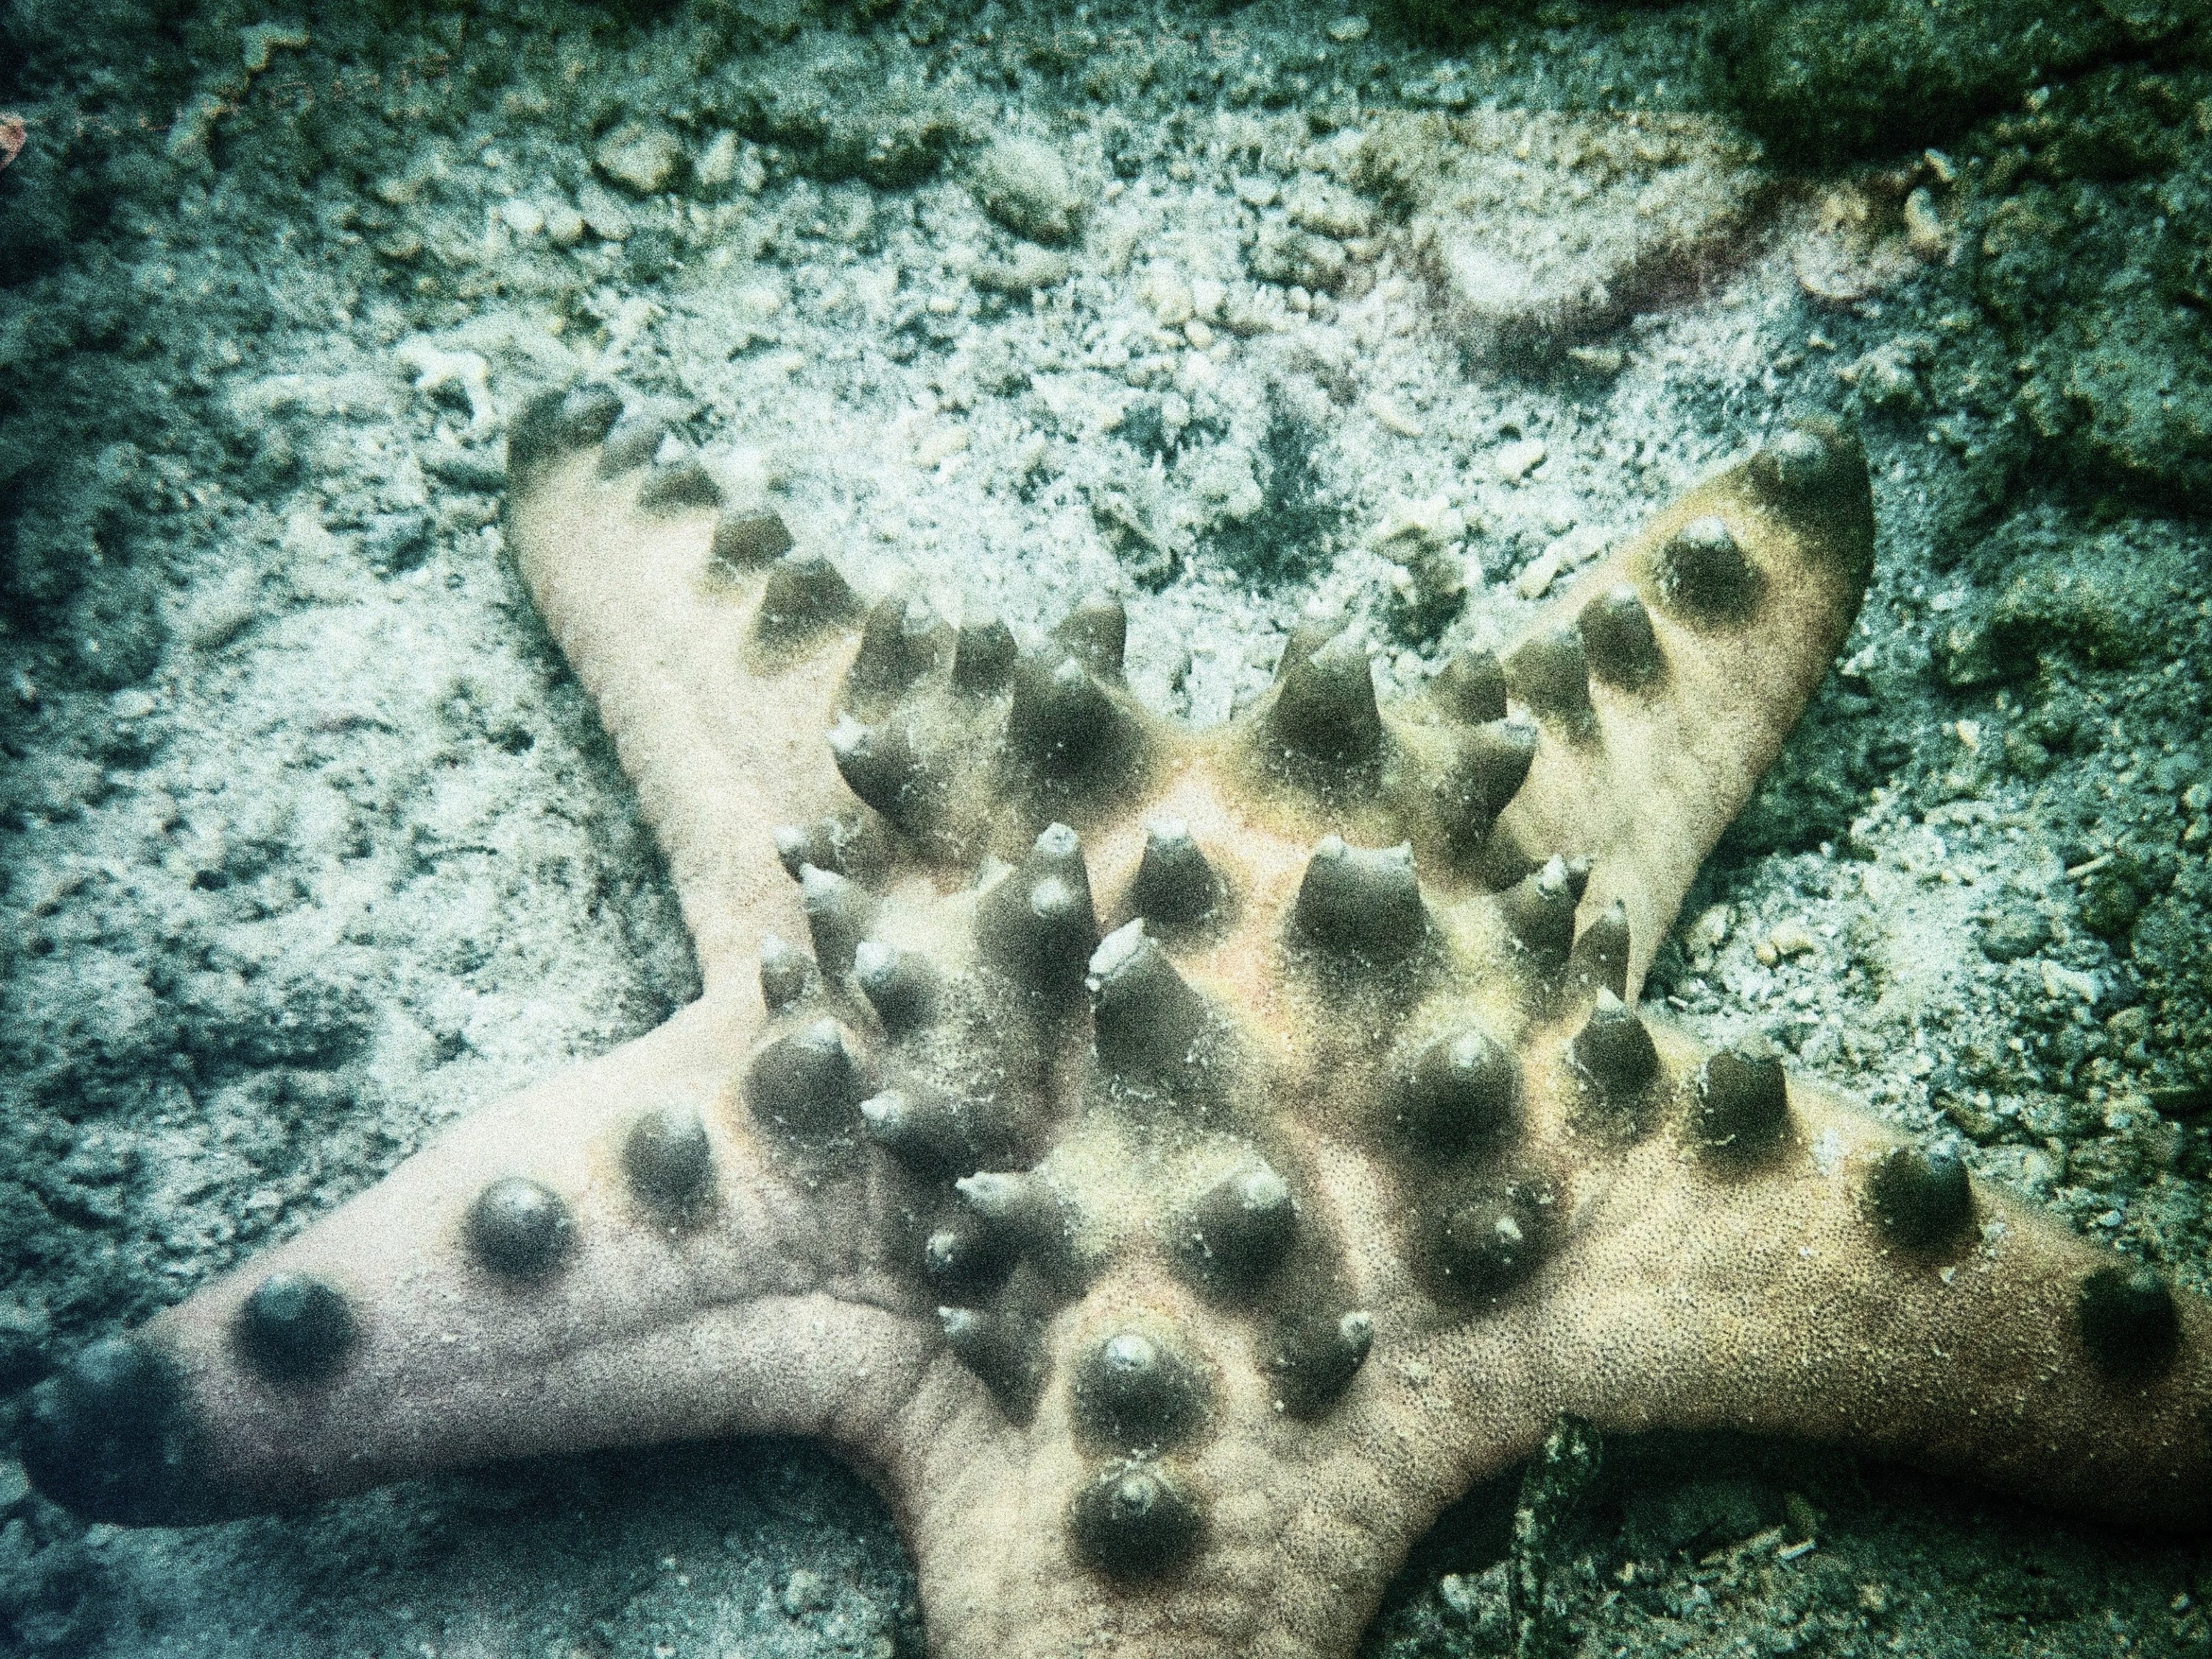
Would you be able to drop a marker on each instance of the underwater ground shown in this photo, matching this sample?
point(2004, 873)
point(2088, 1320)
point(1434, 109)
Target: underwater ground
point(308, 842)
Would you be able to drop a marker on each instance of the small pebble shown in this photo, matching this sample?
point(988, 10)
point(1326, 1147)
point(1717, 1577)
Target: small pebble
point(718, 164)
point(1786, 938)
point(639, 155)
point(1572, 547)
point(564, 226)
point(1022, 272)
point(805, 1592)
point(1537, 576)
point(2060, 983)
point(609, 219)
point(194, 126)
point(258, 42)
point(1391, 418)
point(1517, 460)
point(1434, 523)
point(435, 368)
point(1924, 231)
point(220, 619)
point(1704, 936)
point(1317, 205)
point(939, 444)
point(1169, 297)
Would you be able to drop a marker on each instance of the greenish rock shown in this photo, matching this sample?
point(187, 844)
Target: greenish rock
point(2105, 599)
point(2027, 756)
point(2134, 409)
point(844, 115)
point(2112, 898)
point(2011, 934)
point(1965, 658)
point(2057, 604)
point(2110, 1164)
point(2148, 21)
point(1480, 1601)
point(2029, 1170)
point(54, 1598)
point(1827, 82)
point(2057, 1117)
point(1972, 1119)
point(2098, 261)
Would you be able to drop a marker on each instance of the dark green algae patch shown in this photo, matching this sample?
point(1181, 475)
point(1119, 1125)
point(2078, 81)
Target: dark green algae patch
point(1825, 81)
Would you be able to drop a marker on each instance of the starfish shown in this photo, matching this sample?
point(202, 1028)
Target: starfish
point(1183, 1162)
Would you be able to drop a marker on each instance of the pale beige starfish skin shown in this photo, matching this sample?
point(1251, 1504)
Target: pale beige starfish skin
point(1346, 1191)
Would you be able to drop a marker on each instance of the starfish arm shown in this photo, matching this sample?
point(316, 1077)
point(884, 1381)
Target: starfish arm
point(1772, 1299)
point(1303, 1529)
point(1302, 1517)
point(1705, 637)
point(722, 740)
point(404, 1334)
